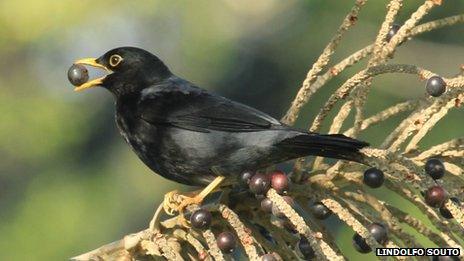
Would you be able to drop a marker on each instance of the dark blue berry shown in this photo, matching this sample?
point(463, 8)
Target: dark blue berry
point(445, 212)
point(435, 168)
point(320, 211)
point(245, 177)
point(393, 30)
point(373, 178)
point(78, 74)
point(360, 244)
point(435, 86)
point(377, 230)
point(306, 250)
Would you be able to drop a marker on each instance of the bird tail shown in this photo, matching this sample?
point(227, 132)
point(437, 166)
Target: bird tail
point(335, 146)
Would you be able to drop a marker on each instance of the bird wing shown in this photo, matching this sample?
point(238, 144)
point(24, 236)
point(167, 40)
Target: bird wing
point(183, 105)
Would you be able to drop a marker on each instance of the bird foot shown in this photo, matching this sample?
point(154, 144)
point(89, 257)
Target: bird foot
point(175, 202)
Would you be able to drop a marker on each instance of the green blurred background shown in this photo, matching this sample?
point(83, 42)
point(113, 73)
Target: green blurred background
point(69, 183)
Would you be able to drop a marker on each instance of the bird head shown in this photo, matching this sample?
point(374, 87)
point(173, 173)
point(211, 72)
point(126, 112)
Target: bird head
point(129, 69)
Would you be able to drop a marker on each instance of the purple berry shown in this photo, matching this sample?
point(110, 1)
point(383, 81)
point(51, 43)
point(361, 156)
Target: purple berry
point(201, 219)
point(259, 184)
point(226, 242)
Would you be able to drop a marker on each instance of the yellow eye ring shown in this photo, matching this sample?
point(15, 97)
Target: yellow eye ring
point(115, 60)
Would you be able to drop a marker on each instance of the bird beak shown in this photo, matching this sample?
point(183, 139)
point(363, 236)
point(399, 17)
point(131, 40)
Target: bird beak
point(95, 82)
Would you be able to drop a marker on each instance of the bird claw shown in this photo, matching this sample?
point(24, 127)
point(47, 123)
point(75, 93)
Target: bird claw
point(174, 202)
point(177, 203)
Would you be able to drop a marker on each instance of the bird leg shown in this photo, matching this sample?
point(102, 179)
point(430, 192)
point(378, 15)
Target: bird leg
point(174, 202)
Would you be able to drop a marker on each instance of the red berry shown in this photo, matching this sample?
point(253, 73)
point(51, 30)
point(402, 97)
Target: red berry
point(435, 196)
point(259, 183)
point(226, 242)
point(279, 181)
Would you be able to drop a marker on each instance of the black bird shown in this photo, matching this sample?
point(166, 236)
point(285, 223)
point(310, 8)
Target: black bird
point(192, 136)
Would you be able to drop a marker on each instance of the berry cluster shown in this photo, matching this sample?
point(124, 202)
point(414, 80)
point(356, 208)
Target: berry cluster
point(260, 183)
point(436, 196)
point(201, 219)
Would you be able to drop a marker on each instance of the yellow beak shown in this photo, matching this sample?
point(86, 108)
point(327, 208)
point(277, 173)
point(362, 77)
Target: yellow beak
point(95, 82)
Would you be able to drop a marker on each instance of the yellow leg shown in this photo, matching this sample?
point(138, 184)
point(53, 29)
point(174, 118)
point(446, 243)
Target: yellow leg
point(175, 202)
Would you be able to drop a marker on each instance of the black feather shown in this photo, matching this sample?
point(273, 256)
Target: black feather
point(336, 146)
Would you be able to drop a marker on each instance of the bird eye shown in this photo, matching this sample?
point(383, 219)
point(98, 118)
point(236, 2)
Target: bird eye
point(115, 60)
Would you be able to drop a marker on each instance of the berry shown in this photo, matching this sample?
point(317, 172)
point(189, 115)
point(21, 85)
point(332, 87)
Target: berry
point(435, 168)
point(268, 257)
point(201, 219)
point(393, 30)
point(320, 211)
point(259, 184)
point(377, 230)
point(373, 178)
point(435, 196)
point(276, 212)
point(279, 181)
point(445, 212)
point(360, 244)
point(306, 249)
point(266, 205)
point(245, 177)
point(78, 74)
point(435, 86)
point(226, 242)
point(288, 225)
